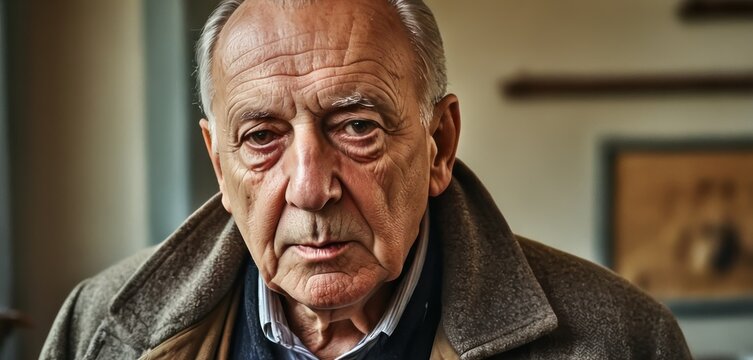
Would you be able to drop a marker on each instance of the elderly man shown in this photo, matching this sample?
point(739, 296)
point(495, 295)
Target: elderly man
point(333, 143)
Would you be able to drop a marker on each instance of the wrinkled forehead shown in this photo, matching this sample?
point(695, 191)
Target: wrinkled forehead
point(260, 30)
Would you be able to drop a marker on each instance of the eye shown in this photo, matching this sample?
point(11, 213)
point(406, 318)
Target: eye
point(359, 127)
point(261, 137)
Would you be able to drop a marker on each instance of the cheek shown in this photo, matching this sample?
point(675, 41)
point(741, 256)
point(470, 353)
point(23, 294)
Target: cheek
point(392, 195)
point(406, 180)
point(410, 199)
point(257, 199)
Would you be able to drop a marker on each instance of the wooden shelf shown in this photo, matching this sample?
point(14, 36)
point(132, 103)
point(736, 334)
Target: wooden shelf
point(568, 85)
point(715, 9)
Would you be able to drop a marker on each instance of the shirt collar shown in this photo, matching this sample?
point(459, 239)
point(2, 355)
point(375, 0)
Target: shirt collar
point(275, 326)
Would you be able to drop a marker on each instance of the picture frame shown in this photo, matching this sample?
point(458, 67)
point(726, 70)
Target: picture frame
point(678, 220)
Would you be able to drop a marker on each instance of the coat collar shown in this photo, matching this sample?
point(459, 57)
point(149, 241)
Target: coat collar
point(491, 301)
point(184, 279)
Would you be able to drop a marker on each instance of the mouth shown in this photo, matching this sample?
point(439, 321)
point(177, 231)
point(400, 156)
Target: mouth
point(321, 252)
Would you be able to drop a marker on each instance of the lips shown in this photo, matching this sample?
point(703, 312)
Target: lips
point(321, 252)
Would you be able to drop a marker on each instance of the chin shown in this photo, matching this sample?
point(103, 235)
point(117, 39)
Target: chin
point(334, 291)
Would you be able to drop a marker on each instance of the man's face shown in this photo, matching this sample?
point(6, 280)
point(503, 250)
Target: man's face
point(322, 158)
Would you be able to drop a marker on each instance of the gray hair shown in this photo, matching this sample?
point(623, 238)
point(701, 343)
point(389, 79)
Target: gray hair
point(415, 16)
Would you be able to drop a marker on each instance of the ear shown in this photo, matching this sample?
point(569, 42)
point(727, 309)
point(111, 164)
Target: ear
point(214, 156)
point(445, 132)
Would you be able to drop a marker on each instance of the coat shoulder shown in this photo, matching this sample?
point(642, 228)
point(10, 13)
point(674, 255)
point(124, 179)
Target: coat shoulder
point(564, 276)
point(599, 312)
point(87, 306)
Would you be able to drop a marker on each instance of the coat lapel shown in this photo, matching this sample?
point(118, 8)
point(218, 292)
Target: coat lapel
point(491, 300)
point(184, 280)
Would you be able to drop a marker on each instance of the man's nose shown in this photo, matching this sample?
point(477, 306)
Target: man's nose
point(311, 166)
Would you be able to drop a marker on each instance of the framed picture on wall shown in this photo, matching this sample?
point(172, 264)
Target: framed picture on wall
point(679, 220)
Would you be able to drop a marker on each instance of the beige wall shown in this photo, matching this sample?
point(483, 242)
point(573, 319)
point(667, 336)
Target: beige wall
point(539, 158)
point(79, 149)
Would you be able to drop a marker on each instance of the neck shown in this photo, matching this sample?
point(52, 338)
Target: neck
point(332, 332)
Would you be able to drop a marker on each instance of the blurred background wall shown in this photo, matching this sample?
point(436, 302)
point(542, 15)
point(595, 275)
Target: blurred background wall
point(6, 268)
point(76, 124)
point(106, 156)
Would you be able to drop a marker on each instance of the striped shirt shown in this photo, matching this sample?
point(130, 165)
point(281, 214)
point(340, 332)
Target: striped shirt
point(275, 325)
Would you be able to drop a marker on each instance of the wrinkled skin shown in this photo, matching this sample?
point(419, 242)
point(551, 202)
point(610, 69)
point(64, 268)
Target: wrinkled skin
point(322, 159)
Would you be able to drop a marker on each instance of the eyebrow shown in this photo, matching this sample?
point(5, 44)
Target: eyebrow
point(353, 99)
point(357, 99)
point(253, 115)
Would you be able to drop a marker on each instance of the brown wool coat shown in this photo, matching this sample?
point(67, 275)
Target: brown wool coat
point(503, 297)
